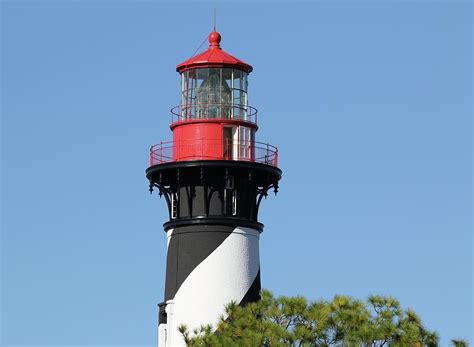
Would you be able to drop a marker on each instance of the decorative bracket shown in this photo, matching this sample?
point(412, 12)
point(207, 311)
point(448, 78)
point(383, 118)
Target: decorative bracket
point(262, 192)
point(163, 191)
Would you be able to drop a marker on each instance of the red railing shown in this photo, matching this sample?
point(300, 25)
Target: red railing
point(205, 149)
point(213, 112)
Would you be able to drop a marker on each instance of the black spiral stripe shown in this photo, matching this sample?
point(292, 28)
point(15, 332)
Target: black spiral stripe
point(253, 294)
point(188, 247)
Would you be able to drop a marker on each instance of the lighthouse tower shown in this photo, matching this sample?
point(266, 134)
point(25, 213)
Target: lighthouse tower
point(213, 176)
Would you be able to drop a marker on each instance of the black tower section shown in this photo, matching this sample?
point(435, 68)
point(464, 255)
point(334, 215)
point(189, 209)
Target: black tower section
point(221, 192)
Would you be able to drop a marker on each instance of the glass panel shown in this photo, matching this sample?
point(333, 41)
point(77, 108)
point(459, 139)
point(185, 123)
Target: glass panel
point(237, 79)
point(227, 76)
point(234, 202)
point(201, 99)
point(240, 94)
point(187, 94)
point(213, 96)
point(236, 94)
point(245, 142)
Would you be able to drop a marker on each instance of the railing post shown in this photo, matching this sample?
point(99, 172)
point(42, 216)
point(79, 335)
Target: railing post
point(161, 152)
point(266, 155)
point(151, 156)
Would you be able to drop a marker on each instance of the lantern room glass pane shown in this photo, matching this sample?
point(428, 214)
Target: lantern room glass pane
point(214, 93)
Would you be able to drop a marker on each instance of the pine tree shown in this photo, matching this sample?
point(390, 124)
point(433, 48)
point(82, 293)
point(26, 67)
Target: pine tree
point(294, 321)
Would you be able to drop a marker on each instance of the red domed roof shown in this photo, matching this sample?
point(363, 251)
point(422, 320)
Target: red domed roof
point(213, 57)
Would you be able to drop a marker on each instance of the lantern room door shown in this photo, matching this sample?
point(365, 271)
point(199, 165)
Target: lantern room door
point(227, 142)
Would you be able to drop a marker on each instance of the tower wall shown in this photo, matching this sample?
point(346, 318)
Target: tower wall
point(208, 266)
point(213, 239)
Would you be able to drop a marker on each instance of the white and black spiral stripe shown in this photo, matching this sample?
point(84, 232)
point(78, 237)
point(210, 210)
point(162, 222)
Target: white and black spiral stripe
point(207, 267)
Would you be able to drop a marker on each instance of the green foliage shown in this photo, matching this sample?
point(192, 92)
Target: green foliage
point(459, 343)
point(293, 321)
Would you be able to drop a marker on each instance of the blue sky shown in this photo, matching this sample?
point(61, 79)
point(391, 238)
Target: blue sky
point(369, 103)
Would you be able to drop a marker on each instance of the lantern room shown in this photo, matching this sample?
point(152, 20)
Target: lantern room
point(214, 92)
point(214, 120)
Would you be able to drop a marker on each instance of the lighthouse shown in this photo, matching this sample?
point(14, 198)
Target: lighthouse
point(213, 175)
